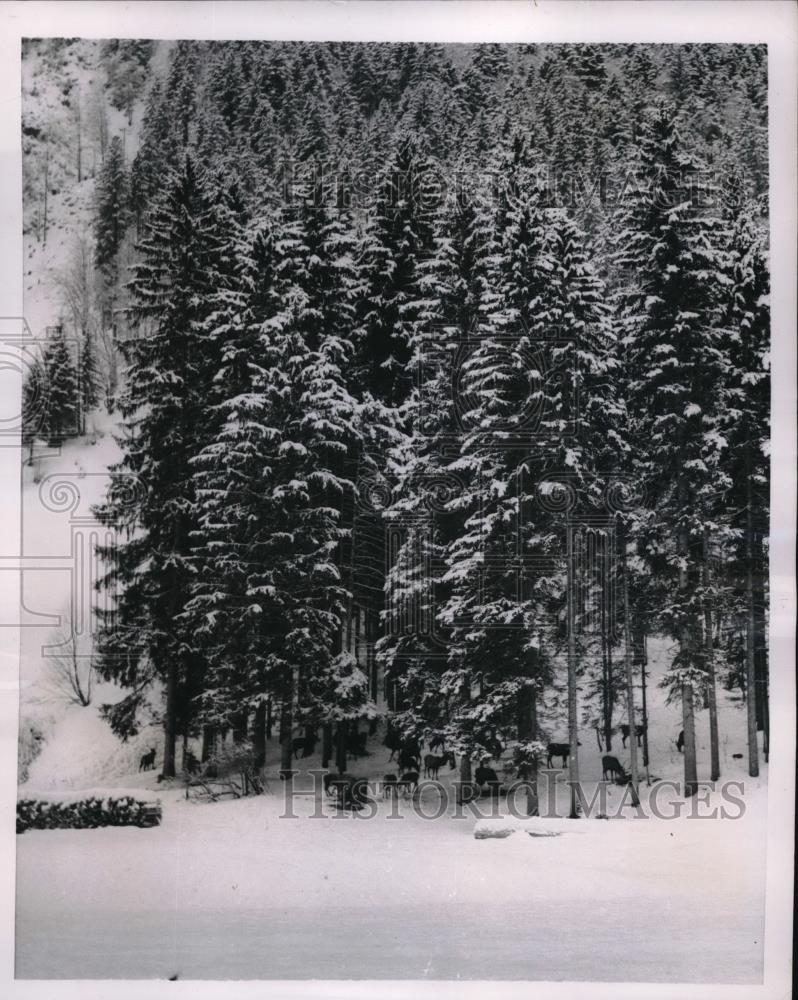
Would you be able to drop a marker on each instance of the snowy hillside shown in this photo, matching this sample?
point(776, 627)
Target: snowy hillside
point(68, 120)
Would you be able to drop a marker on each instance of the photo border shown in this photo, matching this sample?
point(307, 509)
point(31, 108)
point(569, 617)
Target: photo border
point(749, 21)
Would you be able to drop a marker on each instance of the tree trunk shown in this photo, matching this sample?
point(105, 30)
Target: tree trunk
point(208, 740)
point(170, 721)
point(286, 733)
point(750, 631)
point(573, 722)
point(709, 653)
point(46, 184)
point(606, 655)
point(760, 650)
point(761, 647)
point(79, 124)
point(630, 690)
point(240, 727)
point(464, 785)
point(340, 747)
point(259, 736)
point(643, 663)
point(688, 725)
point(527, 731)
point(750, 676)
point(686, 650)
point(269, 720)
point(370, 653)
point(326, 744)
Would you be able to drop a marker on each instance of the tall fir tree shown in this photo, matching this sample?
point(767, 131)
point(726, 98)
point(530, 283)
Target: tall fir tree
point(179, 271)
point(669, 299)
point(111, 210)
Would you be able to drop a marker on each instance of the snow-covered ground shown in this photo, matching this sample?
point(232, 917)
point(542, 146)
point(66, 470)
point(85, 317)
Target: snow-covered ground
point(237, 890)
point(233, 890)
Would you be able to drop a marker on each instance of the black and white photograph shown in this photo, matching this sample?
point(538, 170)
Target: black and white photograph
point(401, 464)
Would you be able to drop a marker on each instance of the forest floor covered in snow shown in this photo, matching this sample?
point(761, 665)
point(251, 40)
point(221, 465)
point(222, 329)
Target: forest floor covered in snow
point(232, 890)
point(235, 889)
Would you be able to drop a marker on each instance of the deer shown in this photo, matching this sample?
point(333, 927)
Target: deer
point(307, 744)
point(433, 764)
point(147, 761)
point(408, 783)
point(407, 760)
point(356, 744)
point(680, 742)
point(612, 766)
point(625, 731)
point(487, 776)
point(559, 750)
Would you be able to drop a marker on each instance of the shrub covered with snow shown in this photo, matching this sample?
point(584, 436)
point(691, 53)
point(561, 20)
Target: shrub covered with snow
point(85, 810)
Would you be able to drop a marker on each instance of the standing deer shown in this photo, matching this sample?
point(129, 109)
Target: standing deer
point(407, 760)
point(562, 750)
point(147, 762)
point(433, 764)
point(626, 730)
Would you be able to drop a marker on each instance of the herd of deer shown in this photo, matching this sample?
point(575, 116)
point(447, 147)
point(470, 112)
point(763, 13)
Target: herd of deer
point(407, 752)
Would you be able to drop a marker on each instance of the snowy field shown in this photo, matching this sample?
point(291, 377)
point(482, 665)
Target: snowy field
point(234, 891)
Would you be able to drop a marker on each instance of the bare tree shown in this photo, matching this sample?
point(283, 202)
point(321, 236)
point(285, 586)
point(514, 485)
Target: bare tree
point(70, 659)
point(76, 284)
point(76, 112)
point(98, 121)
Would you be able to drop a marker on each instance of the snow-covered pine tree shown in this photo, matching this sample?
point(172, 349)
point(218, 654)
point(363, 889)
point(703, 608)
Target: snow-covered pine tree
point(154, 155)
point(88, 376)
point(746, 344)
point(669, 301)
point(111, 210)
point(319, 265)
point(34, 404)
point(398, 237)
point(63, 394)
point(493, 623)
point(452, 285)
point(170, 362)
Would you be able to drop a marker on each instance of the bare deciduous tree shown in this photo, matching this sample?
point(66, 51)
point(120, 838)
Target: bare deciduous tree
point(70, 659)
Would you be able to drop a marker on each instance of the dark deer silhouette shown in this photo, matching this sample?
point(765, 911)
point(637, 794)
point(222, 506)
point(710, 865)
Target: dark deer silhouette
point(433, 764)
point(680, 741)
point(625, 731)
point(147, 761)
point(612, 766)
point(307, 744)
point(559, 750)
point(407, 760)
point(408, 783)
point(487, 777)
